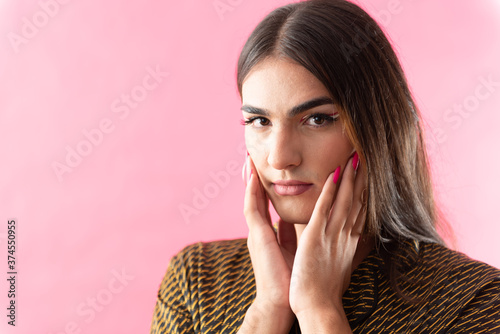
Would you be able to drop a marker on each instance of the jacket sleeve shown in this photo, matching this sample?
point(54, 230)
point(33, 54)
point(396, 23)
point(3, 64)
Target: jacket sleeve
point(482, 314)
point(171, 313)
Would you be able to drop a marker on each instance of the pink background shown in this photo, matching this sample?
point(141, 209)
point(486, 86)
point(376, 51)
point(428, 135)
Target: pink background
point(116, 211)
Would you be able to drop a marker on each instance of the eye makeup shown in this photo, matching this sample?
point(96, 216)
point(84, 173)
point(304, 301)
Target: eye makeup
point(326, 117)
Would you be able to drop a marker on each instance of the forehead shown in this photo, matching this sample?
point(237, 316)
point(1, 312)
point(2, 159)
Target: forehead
point(279, 84)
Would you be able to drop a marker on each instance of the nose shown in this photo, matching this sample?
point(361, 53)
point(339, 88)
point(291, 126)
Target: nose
point(284, 149)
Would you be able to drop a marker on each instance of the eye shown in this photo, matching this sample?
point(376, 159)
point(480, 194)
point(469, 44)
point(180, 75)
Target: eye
point(256, 121)
point(319, 120)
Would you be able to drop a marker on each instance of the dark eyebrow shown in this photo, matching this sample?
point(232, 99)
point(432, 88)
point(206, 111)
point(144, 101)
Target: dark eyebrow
point(316, 102)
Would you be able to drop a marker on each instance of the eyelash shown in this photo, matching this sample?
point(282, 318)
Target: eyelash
point(328, 118)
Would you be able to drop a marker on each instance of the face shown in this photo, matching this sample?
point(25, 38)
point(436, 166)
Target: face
point(293, 134)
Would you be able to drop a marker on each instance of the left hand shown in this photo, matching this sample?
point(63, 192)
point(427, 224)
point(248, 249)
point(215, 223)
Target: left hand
point(324, 257)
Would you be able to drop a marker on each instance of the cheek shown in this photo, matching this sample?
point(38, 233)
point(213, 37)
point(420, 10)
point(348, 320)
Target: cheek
point(255, 147)
point(330, 153)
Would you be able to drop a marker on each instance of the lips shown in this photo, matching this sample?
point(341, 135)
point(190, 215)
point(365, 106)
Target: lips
point(291, 188)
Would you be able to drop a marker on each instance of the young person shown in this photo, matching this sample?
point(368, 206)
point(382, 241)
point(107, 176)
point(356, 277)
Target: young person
point(335, 143)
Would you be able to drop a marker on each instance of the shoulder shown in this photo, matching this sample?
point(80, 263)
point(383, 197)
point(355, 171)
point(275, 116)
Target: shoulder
point(202, 278)
point(439, 290)
point(221, 250)
point(210, 259)
point(458, 283)
point(206, 276)
point(440, 260)
point(467, 290)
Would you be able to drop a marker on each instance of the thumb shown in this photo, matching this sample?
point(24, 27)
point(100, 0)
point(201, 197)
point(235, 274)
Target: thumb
point(244, 171)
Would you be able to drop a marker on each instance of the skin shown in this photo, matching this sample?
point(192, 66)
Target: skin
point(304, 270)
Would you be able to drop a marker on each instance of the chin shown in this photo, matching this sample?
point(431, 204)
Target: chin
point(292, 212)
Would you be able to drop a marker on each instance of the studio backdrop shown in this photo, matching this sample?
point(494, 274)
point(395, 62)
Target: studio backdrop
point(121, 142)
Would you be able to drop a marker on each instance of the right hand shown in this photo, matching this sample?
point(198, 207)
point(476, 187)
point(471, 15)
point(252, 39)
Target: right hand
point(272, 259)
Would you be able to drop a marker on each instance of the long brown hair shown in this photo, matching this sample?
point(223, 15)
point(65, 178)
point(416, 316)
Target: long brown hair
point(347, 51)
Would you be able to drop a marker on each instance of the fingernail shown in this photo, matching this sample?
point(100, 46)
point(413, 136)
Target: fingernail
point(336, 175)
point(355, 161)
point(248, 154)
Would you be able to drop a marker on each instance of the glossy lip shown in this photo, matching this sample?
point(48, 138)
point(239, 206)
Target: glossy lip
point(291, 187)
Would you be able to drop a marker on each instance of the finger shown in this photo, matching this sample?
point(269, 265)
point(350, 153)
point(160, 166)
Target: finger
point(265, 196)
point(244, 175)
point(343, 200)
point(360, 184)
point(251, 207)
point(261, 236)
point(358, 212)
point(262, 194)
point(359, 226)
point(256, 207)
point(248, 167)
point(323, 205)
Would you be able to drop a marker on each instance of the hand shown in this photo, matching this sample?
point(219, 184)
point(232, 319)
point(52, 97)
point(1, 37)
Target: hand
point(272, 260)
point(323, 260)
point(324, 257)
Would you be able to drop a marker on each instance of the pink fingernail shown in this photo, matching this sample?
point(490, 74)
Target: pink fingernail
point(355, 161)
point(336, 175)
